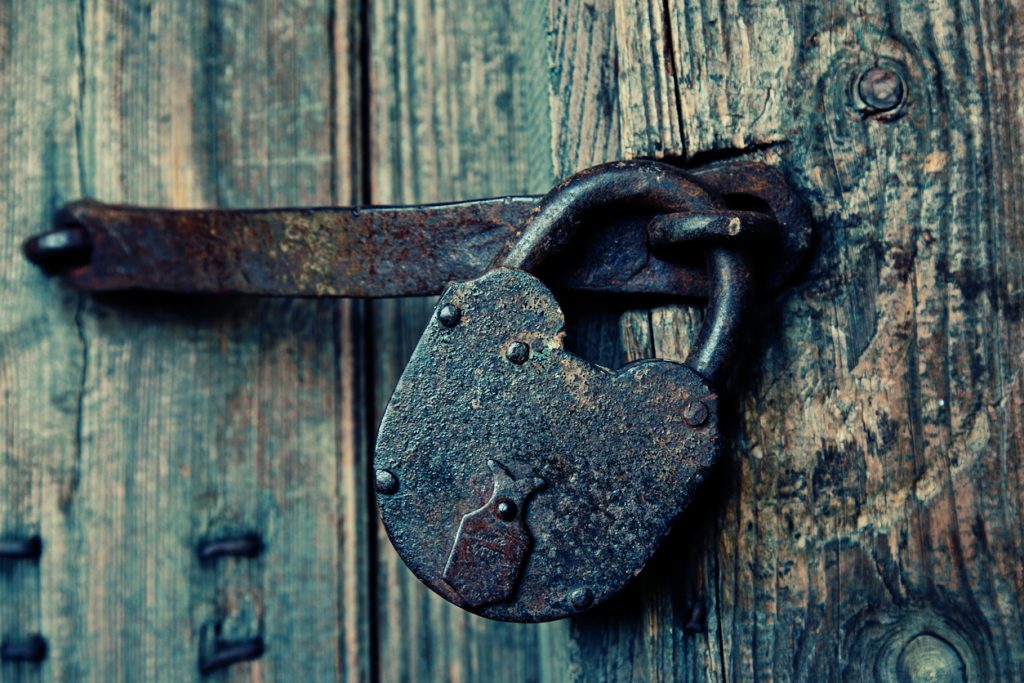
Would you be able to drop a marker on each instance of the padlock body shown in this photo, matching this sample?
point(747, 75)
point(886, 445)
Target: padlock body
point(588, 467)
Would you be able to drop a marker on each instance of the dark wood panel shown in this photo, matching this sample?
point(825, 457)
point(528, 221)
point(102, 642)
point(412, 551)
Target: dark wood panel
point(866, 522)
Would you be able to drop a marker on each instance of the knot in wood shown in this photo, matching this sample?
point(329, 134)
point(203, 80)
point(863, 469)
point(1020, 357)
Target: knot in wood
point(929, 658)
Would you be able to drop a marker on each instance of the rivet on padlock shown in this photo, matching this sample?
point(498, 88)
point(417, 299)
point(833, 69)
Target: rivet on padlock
point(530, 484)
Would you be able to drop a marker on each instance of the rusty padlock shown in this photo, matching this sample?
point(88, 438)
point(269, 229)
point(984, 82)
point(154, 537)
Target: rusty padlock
point(515, 478)
point(522, 482)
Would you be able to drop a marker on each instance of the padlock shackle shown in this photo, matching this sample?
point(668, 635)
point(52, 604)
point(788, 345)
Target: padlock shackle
point(558, 217)
point(657, 187)
point(729, 294)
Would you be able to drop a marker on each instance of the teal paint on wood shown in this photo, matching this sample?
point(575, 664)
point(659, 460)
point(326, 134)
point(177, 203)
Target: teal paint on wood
point(41, 352)
point(139, 426)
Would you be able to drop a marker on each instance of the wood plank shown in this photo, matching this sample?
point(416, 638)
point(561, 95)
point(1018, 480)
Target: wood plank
point(41, 351)
point(866, 523)
point(906, 556)
point(189, 417)
point(459, 109)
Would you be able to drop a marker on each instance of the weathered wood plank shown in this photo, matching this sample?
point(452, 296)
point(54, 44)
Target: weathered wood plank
point(41, 352)
point(459, 109)
point(865, 525)
point(189, 418)
point(882, 522)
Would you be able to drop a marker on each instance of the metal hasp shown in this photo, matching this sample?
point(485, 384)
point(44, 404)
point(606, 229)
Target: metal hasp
point(516, 479)
point(397, 251)
point(525, 483)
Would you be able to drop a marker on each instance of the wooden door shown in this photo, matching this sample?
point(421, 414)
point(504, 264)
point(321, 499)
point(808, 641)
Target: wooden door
point(865, 524)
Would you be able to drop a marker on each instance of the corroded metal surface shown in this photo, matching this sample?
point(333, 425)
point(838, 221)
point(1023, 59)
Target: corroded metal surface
point(382, 251)
point(491, 407)
point(573, 209)
point(492, 543)
point(390, 251)
point(618, 458)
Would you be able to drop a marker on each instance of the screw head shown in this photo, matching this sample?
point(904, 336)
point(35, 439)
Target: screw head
point(449, 315)
point(695, 413)
point(518, 352)
point(581, 598)
point(881, 89)
point(506, 510)
point(385, 482)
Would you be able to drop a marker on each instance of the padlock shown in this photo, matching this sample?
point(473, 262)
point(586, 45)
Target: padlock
point(521, 481)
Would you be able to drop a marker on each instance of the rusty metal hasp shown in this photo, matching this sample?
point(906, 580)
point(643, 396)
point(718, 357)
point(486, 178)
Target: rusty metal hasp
point(397, 250)
point(516, 479)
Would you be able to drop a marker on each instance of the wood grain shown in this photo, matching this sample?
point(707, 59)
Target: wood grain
point(161, 422)
point(41, 351)
point(640, 635)
point(866, 523)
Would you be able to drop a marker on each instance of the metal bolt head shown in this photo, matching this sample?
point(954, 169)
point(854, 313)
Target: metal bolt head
point(581, 598)
point(695, 412)
point(881, 89)
point(518, 352)
point(385, 482)
point(449, 315)
point(59, 249)
point(506, 510)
